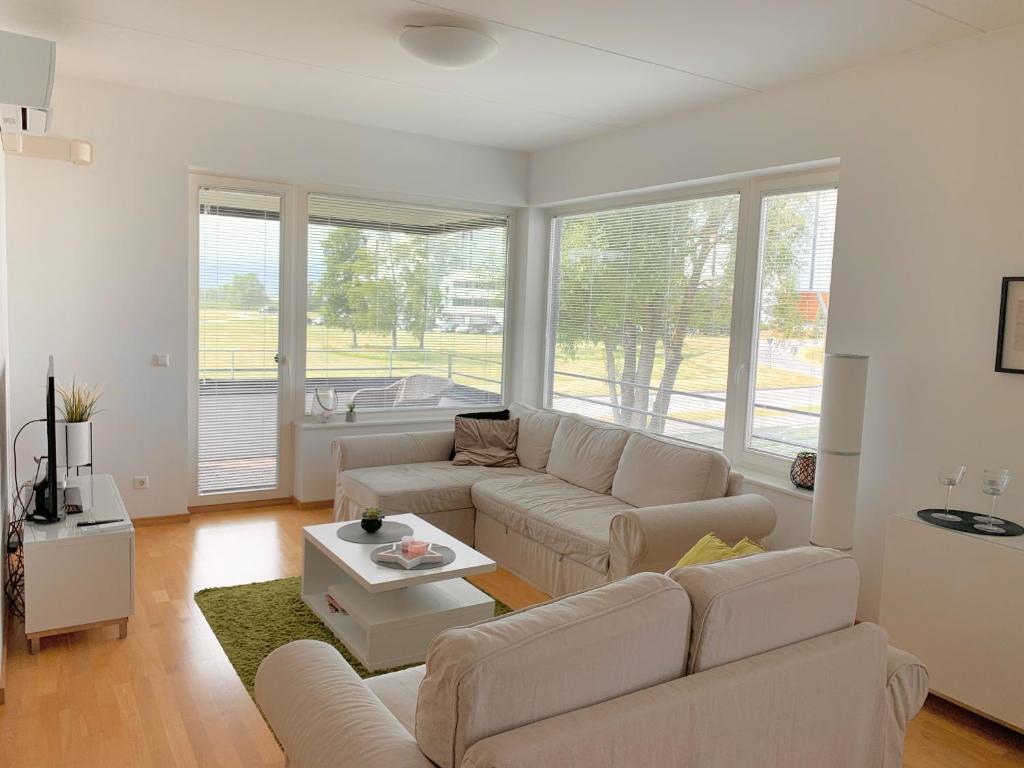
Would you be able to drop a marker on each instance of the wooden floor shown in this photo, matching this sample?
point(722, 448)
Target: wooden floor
point(166, 696)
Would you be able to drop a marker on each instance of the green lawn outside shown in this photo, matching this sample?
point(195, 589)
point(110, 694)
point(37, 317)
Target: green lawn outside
point(241, 344)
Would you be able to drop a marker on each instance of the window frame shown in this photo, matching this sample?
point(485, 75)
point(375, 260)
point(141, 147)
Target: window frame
point(745, 373)
point(616, 202)
point(300, 300)
point(752, 189)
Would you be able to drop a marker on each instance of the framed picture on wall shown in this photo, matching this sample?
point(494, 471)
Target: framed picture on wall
point(1010, 341)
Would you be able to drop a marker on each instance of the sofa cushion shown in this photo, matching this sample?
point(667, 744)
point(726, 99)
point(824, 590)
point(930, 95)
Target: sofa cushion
point(485, 415)
point(429, 486)
point(710, 549)
point(752, 605)
point(536, 431)
point(586, 454)
point(397, 691)
point(501, 674)
point(565, 518)
point(486, 442)
point(653, 472)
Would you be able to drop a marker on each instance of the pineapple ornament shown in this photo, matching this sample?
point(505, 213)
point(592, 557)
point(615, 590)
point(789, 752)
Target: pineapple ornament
point(801, 473)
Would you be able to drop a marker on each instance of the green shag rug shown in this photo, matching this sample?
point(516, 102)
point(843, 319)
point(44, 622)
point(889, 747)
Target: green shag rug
point(251, 620)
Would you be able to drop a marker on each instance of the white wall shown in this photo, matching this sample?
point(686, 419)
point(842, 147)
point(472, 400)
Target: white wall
point(98, 255)
point(932, 159)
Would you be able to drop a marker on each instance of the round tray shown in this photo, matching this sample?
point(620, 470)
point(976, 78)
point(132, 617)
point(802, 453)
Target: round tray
point(447, 552)
point(388, 533)
point(967, 522)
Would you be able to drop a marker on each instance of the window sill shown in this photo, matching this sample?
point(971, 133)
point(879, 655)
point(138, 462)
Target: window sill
point(774, 483)
point(382, 418)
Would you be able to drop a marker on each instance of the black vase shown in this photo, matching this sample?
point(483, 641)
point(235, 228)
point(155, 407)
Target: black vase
point(371, 524)
point(801, 473)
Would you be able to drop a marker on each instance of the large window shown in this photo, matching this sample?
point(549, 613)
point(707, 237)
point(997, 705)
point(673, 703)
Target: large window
point(406, 304)
point(641, 315)
point(644, 329)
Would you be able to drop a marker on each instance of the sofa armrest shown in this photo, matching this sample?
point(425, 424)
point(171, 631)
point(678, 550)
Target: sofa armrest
point(654, 538)
point(399, 448)
point(323, 714)
point(906, 690)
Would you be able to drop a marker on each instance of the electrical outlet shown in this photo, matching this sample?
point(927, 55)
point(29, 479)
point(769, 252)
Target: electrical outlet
point(140, 482)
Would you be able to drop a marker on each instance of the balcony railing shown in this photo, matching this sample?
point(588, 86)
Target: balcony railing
point(678, 417)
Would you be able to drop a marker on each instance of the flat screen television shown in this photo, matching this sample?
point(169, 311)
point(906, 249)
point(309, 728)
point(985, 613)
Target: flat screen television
point(47, 502)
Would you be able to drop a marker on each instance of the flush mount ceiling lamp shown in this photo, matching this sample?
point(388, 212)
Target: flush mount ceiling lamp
point(448, 47)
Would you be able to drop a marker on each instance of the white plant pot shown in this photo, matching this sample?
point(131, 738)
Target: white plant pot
point(79, 443)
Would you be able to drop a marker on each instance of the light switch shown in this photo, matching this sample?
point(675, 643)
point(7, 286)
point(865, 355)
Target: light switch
point(162, 360)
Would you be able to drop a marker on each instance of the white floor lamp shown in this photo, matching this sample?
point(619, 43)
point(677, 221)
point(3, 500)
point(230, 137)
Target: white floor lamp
point(838, 466)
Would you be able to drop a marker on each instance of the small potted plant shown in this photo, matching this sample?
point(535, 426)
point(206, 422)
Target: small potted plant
point(372, 520)
point(78, 406)
point(351, 415)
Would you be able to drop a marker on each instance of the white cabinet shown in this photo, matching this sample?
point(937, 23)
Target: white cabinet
point(77, 577)
point(956, 601)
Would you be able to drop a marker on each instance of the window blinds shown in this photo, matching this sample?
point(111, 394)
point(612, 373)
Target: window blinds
point(239, 267)
point(406, 304)
point(797, 232)
point(641, 309)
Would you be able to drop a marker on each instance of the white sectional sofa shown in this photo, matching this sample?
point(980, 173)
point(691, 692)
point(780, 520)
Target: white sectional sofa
point(589, 502)
point(748, 663)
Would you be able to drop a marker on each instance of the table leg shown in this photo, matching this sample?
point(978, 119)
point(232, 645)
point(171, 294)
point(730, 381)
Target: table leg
point(122, 629)
point(33, 645)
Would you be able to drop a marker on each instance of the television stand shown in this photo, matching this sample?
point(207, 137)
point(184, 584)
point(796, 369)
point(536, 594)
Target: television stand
point(80, 577)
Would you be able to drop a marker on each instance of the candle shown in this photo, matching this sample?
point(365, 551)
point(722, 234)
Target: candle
point(406, 541)
point(417, 548)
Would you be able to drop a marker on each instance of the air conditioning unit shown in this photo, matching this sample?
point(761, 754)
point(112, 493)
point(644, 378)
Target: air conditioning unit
point(26, 83)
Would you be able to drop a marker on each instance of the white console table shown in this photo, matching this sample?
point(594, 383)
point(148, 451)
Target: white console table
point(80, 577)
point(955, 601)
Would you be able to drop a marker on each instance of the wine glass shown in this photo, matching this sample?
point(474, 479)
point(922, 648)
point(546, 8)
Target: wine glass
point(950, 475)
point(993, 483)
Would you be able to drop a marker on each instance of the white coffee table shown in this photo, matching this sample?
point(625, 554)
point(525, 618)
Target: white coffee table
point(391, 614)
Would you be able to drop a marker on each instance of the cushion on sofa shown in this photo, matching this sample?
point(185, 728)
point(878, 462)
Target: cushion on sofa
point(497, 675)
point(751, 605)
point(486, 415)
point(652, 472)
point(536, 431)
point(565, 518)
point(429, 486)
point(586, 454)
point(486, 442)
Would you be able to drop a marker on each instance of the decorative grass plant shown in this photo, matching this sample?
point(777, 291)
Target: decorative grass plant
point(78, 402)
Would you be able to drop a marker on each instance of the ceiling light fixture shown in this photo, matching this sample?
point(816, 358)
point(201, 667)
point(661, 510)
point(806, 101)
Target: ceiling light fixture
point(448, 47)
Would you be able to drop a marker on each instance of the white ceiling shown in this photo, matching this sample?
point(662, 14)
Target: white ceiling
point(566, 69)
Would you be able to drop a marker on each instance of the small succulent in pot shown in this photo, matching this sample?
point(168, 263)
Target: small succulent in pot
point(372, 520)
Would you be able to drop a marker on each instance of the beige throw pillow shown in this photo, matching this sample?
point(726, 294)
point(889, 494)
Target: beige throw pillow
point(486, 442)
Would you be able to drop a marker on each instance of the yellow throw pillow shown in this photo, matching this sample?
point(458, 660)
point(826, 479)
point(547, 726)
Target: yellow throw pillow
point(747, 547)
point(709, 549)
point(712, 549)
